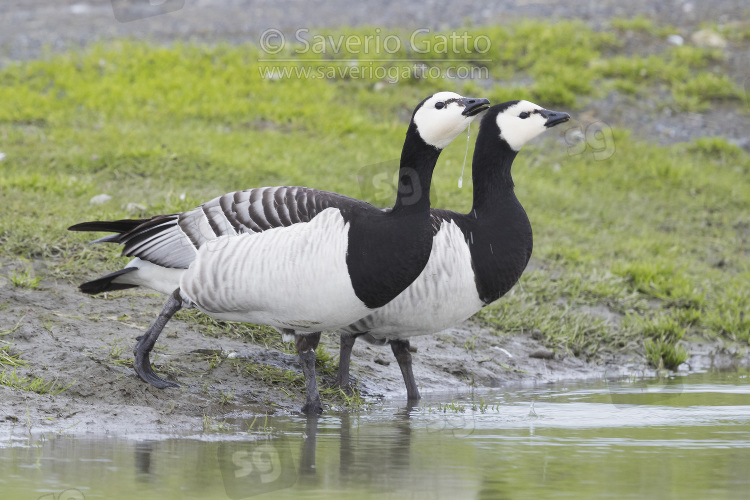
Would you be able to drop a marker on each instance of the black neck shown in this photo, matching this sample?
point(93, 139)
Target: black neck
point(497, 227)
point(388, 250)
point(490, 170)
point(418, 160)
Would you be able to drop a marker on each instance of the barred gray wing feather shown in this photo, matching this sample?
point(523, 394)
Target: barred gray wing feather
point(173, 240)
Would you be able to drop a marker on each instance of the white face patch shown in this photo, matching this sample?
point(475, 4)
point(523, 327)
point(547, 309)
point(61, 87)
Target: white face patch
point(516, 130)
point(439, 119)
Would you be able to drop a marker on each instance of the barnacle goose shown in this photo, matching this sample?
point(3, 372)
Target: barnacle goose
point(476, 257)
point(299, 259)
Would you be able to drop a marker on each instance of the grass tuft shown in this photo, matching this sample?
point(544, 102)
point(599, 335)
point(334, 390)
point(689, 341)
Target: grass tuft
point(34, 384)
point(7, 357)
point(294, 382)
point(717, 148)
point(664, 355)
point(663, 334)
point(25, 279)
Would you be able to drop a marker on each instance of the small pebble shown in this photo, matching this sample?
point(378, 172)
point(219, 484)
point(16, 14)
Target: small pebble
point(80, 8)
point(134, 208)
point(542, 354)
point(675, 40)
point(100, 199)
point(381, 361)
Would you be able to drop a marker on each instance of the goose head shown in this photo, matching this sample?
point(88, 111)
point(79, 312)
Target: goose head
point(443, 116)
point(505, 129)
point(520, 121)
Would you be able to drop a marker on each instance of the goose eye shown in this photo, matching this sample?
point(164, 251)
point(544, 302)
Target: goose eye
point(440, 105)
point(524, 115)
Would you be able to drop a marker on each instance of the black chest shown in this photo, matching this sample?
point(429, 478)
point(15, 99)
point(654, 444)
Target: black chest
point(386, 254)
point(500, 243)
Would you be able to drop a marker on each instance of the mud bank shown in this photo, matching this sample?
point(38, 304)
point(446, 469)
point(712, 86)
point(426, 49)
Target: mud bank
point(85, 344)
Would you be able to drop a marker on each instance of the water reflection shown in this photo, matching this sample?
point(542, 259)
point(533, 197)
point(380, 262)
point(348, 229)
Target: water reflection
point(143, 452)
point(388, 451)
point(346, 449)
point(689, 440)
point(307, 472)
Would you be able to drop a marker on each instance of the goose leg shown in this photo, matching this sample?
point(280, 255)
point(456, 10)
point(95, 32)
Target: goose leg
point(400, 349)
point(345, 356)
point(306, 345)
point(146, 342)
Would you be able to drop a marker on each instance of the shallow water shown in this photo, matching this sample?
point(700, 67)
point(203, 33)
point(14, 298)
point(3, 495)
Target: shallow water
point(687, 437)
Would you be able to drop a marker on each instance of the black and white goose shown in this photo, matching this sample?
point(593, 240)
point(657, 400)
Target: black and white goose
point(295, 258)
point(476, 257)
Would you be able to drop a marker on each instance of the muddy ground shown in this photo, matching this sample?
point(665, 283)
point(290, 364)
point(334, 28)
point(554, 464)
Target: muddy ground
point(77, 340)
point(85, 344)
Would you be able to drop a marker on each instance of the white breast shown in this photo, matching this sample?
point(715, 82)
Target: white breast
point(443, 295)
point(289, 277)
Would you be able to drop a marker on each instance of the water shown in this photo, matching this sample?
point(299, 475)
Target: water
point(688, 437)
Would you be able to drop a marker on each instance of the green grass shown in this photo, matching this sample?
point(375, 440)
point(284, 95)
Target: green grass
point(33, 384)
point(644, 231)
point(7, 357)
point(681, 70)
point(115, 356)
point(737, 31)
point(643, 25)
point(25, 279)
point(662, 337)
point(263, 335)
point(291, 381)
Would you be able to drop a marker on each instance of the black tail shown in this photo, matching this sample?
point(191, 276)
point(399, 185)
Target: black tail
point(105, 284)
point(122, 226)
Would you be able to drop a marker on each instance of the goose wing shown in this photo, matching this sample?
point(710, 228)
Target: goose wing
point(173, 240)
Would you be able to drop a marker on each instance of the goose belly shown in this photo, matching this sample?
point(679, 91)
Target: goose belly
point(291, 277)
point(444, 294)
